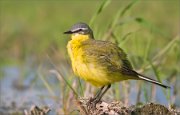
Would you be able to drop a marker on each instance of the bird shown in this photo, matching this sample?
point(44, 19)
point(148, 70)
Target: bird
point(101, 63)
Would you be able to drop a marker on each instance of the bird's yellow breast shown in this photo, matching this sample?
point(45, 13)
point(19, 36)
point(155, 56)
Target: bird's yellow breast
point(81, 66)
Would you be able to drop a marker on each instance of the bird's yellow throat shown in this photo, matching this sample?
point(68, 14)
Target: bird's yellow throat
point(79, 37)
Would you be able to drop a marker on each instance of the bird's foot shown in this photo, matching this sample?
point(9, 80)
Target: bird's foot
point(91, 104)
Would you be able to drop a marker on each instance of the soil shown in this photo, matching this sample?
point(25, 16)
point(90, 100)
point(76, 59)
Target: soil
point(118, 108)
point(101, 108)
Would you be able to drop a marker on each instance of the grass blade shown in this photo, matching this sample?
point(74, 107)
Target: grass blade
point(116, 19)
point(161, 53)
point(168, 46)
point(46, 83)
point(167, 94)
point(80, 85)
point(150, 26)
point(155, 71)
point(100, 9)
point(59, 76)
point(128, 7)
point(56, 72)
point(122, 12)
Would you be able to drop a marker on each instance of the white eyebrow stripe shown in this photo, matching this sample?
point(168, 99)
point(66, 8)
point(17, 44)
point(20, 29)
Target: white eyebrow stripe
point(79, 29)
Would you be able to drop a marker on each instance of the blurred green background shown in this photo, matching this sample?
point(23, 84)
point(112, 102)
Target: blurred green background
point(33, 49)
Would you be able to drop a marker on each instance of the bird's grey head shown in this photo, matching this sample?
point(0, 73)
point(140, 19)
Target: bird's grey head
point(80, 28)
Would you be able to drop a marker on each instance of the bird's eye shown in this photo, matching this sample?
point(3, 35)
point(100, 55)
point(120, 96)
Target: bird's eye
point(80, 29)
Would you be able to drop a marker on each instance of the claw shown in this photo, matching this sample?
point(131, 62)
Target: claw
point(91, 104)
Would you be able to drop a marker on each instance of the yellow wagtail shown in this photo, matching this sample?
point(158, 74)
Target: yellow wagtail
point(99, 62)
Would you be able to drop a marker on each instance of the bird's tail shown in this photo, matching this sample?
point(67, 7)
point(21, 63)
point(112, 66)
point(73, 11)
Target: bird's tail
point(143, 77)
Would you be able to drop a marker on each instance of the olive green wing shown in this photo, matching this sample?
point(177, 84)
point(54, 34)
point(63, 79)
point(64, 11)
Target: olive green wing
point(103, 52)
point(108, 55)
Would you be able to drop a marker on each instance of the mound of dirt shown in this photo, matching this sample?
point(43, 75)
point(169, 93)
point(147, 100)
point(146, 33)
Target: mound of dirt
point(118, 108)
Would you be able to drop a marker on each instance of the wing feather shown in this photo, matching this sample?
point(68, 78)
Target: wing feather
point(109, 55)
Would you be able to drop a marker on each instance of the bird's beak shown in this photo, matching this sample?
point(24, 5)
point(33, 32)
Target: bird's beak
point(68, 32)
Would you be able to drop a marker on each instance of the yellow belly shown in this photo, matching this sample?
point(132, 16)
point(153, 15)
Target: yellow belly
point(91, 73)
point(96, 75)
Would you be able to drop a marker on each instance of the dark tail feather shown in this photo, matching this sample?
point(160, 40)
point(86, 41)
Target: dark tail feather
point(151, 80)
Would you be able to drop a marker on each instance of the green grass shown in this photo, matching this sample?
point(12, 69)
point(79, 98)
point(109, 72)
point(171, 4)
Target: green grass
point(148, 31)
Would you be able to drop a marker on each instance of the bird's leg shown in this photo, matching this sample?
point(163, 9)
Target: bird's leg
point(102, 94)
point(97, 94)
point(92, 102)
